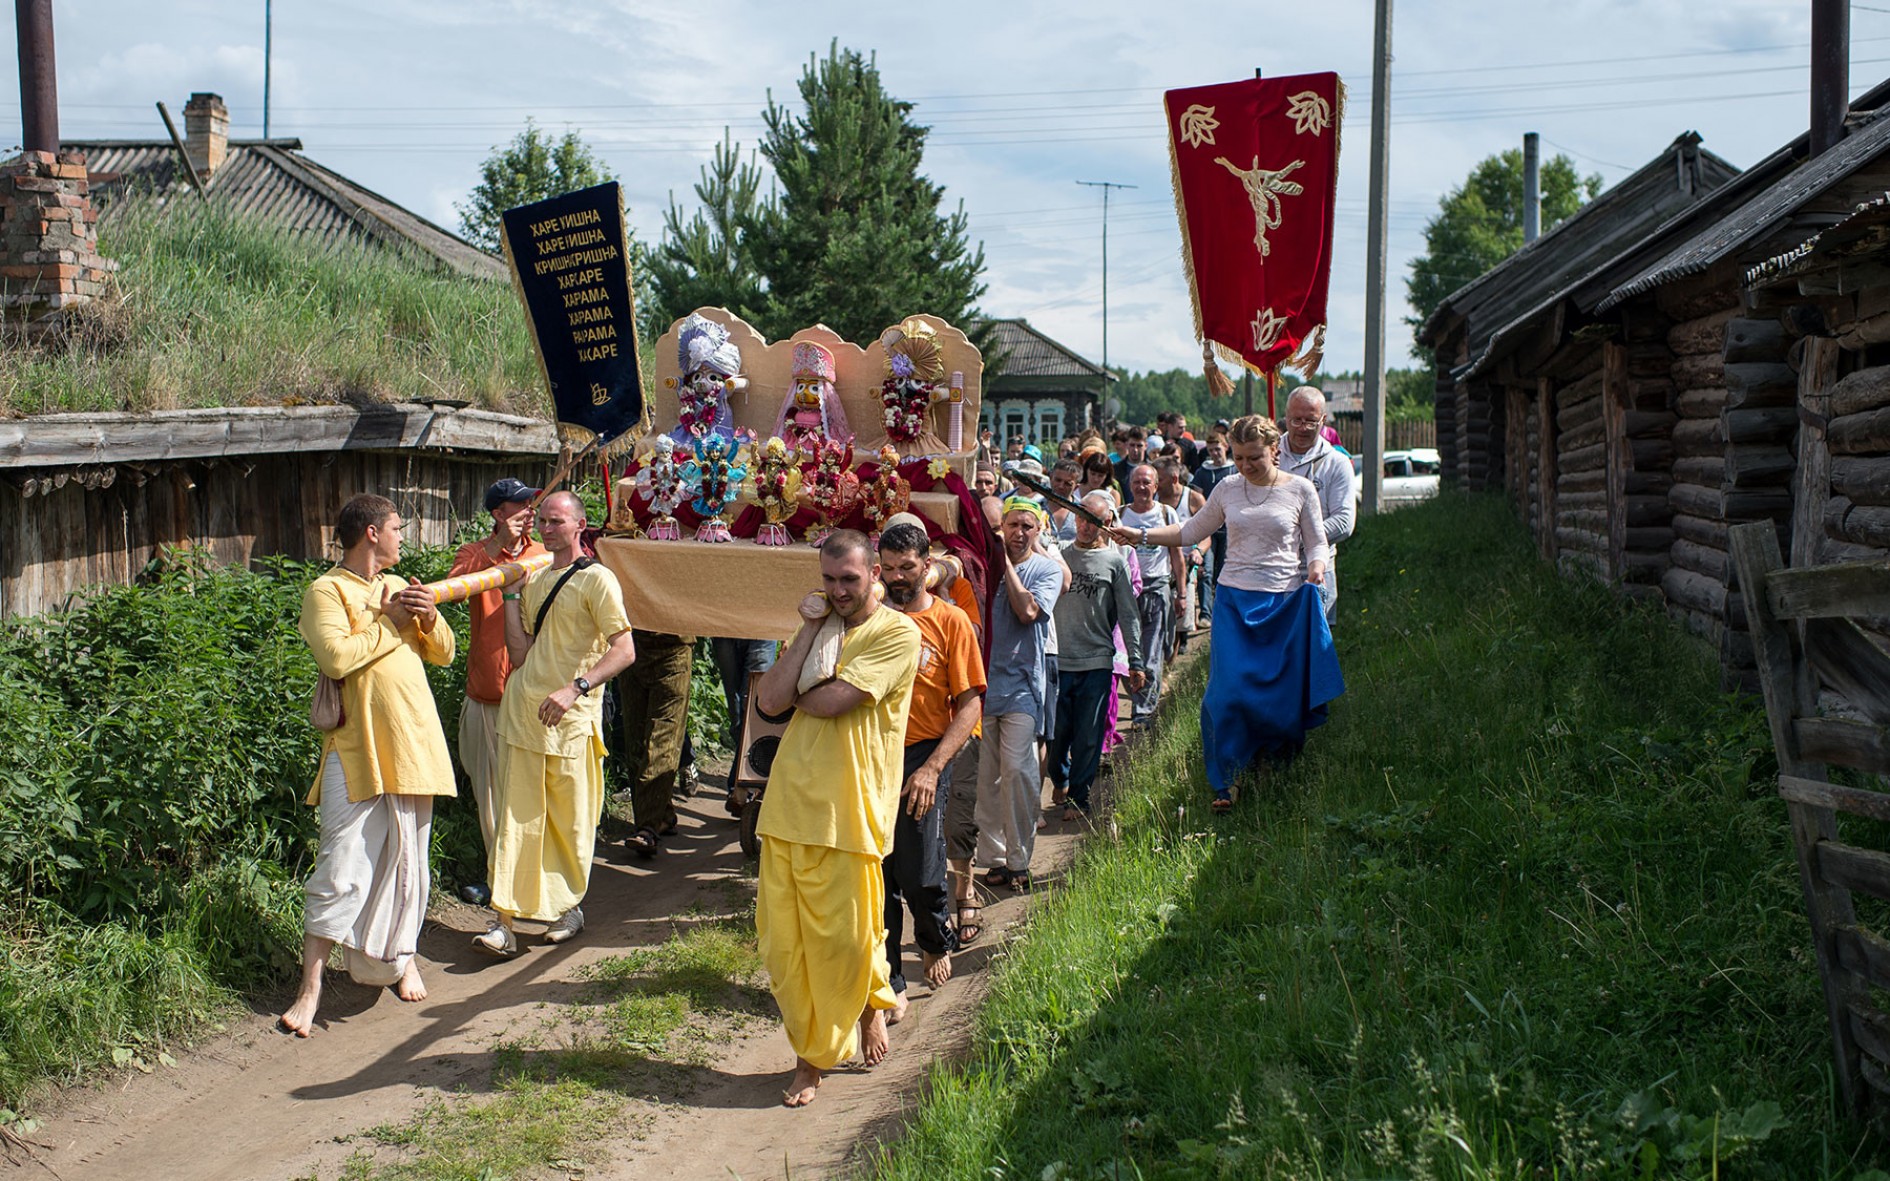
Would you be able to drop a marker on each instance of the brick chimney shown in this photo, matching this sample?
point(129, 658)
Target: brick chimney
point(206, 132)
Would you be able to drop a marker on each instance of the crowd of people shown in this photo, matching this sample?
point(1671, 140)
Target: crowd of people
point(923, 722)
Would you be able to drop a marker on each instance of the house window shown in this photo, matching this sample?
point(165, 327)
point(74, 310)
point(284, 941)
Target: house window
point(1049, 426)
point(1016, 422)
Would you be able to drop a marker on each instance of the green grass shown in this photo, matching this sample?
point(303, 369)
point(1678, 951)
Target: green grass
point(1525, 909)
point(649, 1014)
point(211, 309)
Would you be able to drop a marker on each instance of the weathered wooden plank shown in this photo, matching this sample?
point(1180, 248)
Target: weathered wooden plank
point(1823, 592)
point(1699, 436)
point(1859, 950)
point(1861, 480)
point(1811, 475)
point(1700, 403)
point(1759, 463)
point(1593, 431)
point(1863, 871)
point(1864, 389)
point(1848, 662)
point(1769, 383)
point(1858, 524)
point(1864, 433)
point(1768, 425)
point(1872, 1031)
point(1857, 801)
point(1695, 591)
point(1708, 471)
point(1572, 414)
point(1698, 369)
point(1862, 746)
point(1702, 559)
point(1702, 334)
point(1691, 500)
point(1705, 530)
point(1753, 340)
point(1594, 455)
point(1592, 480)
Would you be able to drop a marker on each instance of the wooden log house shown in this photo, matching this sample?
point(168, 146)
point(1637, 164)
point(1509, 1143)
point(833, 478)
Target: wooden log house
point(1636, 411)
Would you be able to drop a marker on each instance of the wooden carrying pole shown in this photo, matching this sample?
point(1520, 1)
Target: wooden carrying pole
point(177, 141)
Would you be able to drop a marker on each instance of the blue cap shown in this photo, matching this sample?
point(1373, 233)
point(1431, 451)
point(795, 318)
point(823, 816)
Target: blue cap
point(506, 490)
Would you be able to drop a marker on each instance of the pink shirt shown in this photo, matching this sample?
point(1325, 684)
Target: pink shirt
point(1267, 529)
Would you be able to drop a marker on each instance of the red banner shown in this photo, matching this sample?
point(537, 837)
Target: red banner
point(1256, 168)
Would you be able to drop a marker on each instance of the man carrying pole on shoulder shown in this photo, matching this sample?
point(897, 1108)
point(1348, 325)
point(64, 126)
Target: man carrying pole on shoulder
point(827, 826)
point(567, 634)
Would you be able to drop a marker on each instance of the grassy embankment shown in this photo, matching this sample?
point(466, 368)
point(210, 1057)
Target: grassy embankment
point(1526, 908)
point(213, 310)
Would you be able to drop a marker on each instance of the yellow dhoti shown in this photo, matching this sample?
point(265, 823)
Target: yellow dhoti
point(545, 830)
point(820, 915)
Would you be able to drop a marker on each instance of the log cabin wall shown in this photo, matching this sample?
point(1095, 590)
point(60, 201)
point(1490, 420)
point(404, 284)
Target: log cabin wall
point(1580, 512)
point(65, 527)
point(1854, 518)
point(1638, 398)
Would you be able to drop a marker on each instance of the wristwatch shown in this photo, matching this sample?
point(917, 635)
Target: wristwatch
point(583, 686)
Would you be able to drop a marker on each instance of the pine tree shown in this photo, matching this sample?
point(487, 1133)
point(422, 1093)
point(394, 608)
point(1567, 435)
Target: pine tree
point(706, 259)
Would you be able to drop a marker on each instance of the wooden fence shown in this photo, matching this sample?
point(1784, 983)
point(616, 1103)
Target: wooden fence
point(91, 499)
point(1400, 435)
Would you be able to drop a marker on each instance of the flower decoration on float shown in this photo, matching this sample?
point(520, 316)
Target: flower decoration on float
point(709, 367)
point(831, 489)
point(914, 383)
point(774, 483)
point(660, 483)
point(939, 468)
point(887, 494)
point(811, 410)
point(715, 477)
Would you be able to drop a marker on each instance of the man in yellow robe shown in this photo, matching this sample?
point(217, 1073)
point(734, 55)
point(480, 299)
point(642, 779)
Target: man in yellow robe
point(380, 769)
point(827, 825)
point(551, 766)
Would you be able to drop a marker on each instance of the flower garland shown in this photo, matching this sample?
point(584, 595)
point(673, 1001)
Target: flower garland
point(698, 400)
point(906, 400)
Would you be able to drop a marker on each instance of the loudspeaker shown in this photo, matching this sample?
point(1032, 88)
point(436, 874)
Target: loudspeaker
point(761, 738)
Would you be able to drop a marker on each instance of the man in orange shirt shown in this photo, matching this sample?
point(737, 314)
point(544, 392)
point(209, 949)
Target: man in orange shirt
point(946, 704)
point(487, 665)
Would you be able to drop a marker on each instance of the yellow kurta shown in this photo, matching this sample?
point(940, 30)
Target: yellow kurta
point(549, 791)
point(391, 742)
point(833, 794)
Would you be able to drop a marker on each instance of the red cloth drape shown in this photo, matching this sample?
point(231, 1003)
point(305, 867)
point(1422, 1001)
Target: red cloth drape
point(1256, 167)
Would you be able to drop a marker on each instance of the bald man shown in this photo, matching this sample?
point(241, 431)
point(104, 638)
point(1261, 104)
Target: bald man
point(1304, 451)
point(567, 634)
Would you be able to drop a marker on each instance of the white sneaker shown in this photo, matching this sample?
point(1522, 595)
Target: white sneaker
point(498, 941)
point(569, 924)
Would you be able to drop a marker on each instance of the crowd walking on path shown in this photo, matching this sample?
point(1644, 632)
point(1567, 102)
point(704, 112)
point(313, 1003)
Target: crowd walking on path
point(923, 719)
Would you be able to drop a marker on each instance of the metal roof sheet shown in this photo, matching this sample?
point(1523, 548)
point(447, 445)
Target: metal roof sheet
point(1029, 353)
point(273, 181)
point(1863, 232)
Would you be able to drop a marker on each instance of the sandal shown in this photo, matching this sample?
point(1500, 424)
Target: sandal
point(969, 928)
point(644, 842)
point(1020, 882)
point(997, 878)
point(1225, 804)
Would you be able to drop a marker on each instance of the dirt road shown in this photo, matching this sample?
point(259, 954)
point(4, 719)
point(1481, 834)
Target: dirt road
point(252, 1103)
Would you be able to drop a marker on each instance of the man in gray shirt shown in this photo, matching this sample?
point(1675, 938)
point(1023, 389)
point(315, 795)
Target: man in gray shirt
point(1305, 452)
point(1099, 601)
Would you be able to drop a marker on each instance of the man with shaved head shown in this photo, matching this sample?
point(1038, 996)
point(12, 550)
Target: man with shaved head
point(567, 634)
point(1304, 451)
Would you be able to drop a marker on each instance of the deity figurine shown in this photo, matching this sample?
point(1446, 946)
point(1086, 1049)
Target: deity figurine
point(775, 484)
point(811, 411)
point(832, 489)
point(915, 382)
point(710, 367)
point(887, 494)
point(660, 483)
point(714, 476)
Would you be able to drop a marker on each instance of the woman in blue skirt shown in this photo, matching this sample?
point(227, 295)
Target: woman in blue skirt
point(1271, 668)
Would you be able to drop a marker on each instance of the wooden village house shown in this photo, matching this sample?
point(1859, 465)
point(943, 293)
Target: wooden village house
point(1632, 390)
point(92, 498)
point(1044, 390)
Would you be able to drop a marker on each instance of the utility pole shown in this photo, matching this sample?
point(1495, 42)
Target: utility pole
point(1374, 458)
point(39, 80)
point(1105, 186)
point(268, 28)
point(1531, 187)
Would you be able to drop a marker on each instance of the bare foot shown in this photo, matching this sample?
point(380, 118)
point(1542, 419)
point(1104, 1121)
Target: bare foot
point(410, 987)
point(894, 1015)
point(938, 968)
point(873, 1041)
point(801, 1088)
point(299, 1018)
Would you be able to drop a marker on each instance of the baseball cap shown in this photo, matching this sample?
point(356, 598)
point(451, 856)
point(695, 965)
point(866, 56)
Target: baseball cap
point(506, 490)
point(1030, 467)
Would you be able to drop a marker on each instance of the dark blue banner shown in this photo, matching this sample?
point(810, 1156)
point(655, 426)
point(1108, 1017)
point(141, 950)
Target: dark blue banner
point(572, 271)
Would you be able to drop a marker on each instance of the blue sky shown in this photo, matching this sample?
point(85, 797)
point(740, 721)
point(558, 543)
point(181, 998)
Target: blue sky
point(1025, 99)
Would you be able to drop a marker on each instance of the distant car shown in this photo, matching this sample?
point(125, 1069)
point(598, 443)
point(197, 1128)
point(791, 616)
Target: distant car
point(1410, 476)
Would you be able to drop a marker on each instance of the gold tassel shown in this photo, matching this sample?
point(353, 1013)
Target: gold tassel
point(1312, 352)
point(1217, 382)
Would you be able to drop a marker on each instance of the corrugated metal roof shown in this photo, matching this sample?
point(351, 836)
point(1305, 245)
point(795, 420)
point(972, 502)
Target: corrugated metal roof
point(1029, 353)
point(1530, 282)
point(273, 181)
point(1762, 213)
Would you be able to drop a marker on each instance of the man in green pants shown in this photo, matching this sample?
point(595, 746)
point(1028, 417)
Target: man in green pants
point(653, 700)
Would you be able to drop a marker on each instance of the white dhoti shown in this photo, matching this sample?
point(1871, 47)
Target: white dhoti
point(368, 891)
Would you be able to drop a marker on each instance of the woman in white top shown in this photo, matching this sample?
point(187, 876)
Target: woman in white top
point(1272, 668)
